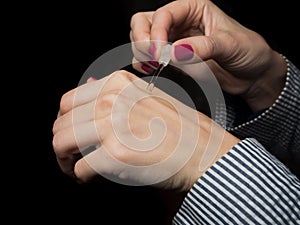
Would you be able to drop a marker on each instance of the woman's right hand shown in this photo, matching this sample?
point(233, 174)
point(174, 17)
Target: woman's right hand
point(241, 59)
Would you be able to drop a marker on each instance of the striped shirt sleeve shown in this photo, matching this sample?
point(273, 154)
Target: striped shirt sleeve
point(247, 185)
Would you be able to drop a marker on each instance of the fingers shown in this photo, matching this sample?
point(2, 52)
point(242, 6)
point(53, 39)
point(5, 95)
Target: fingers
point(141, 26)
point(78, 115)
point(150, 31)
point(180, 19)
point(100, 163)
point(72, 143)
point(155, 26)
point(89, 92)
point(83, 171)
point(114, 165)
point(84, 117)
point(140, 35)
point(95, 164)
point(144, 67)
point(192, 50)
point(202, 48)
point(76, 138)
point(171, 15)
point(67, 164)
point(166, 17)
point(141, 61)
point(80, 95)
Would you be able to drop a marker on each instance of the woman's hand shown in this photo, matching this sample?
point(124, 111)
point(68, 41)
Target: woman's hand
point(114, 128)
point(241, 60)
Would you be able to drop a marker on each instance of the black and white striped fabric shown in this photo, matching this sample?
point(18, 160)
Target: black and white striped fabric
point(252, 183)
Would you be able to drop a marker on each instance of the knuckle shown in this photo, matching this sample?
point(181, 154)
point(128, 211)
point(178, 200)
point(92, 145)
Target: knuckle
point(65, 102)
point(119, 80)
point(56, 126)
point(135, 17)
point(57, 143)
point(123, 75)
point(137, 66)
point(107, 100)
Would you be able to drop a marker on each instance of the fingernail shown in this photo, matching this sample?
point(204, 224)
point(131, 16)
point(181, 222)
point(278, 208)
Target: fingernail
point(146, 68)
point(91, 79)
point(152, 50)
point(154, 63)
point(183, 52)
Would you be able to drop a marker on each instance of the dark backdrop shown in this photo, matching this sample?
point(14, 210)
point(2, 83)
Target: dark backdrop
point(69, 38)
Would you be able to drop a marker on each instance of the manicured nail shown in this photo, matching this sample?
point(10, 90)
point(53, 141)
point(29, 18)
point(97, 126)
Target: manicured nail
point(183, 52)
point(153, 63)
point(152, 50)
point(146, 68)
point(91, 79)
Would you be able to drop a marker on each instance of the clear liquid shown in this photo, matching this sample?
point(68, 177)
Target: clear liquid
point(154, 77)
point(150, 87)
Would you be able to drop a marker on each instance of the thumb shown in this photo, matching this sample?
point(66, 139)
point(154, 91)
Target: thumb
point(200, 48)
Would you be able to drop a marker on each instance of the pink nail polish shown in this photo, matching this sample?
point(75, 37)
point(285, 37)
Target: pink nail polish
point(183, 52)
point(154, 63)
point(90, 79)
point(146, 68)
point(152, 50)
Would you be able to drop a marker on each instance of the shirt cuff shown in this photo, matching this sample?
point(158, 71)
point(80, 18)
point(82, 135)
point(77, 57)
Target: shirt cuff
point(245, 186)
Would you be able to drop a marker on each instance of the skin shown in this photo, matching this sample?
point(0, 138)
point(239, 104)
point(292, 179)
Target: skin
point(87, 117)
point(241, 60)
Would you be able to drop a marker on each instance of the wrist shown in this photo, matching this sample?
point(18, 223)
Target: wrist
point(214, 142)
point(264, 92)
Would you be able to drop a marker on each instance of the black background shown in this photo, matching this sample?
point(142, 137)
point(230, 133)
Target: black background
point(64, 40)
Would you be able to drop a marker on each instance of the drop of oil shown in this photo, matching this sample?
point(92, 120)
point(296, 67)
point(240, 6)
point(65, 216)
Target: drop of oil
point(150, 87)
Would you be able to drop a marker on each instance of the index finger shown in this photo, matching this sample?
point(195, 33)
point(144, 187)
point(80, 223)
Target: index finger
point(140, 31)
point(140, 25)
point(164, 18)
